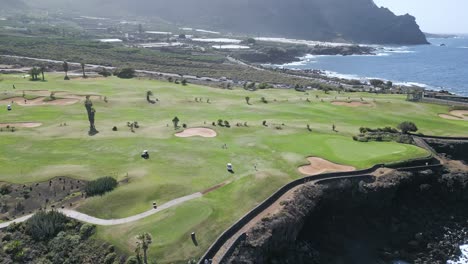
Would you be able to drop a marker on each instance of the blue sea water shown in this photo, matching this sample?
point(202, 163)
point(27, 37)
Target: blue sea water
point(436, 66)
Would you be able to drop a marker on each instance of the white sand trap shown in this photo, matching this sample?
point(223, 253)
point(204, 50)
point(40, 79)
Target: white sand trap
point(456, 115)
point(352, 104)
point(197, 132)
point(39, 101)
point(319, 166)
point(22, 124)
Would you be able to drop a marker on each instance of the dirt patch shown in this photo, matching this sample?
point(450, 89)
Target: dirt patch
point(319, 166)
point(213, 188)
point(456, 115)
point(352, 104)
point(21, 199)
point(39, 101)
point(22, 124)
point(197, 132)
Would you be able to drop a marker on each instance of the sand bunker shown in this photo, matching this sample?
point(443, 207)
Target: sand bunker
point(456, 115)
point(197, 132)
point(22, 124)
point(352, 104)
point(39, 101)
point(319, 166)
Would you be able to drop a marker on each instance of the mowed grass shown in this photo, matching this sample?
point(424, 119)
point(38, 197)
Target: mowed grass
point(182, 166)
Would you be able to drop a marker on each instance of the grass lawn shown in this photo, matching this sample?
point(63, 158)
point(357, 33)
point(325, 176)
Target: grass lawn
point(182, 166)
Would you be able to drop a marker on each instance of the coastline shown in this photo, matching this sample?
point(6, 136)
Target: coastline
point(388, 59)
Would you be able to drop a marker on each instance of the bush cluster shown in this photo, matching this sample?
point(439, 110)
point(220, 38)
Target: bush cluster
point(100, 186)
point(386, 134)
point(45, 225)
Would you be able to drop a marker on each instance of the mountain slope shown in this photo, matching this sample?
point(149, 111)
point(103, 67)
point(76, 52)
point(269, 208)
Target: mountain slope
point(332, 20)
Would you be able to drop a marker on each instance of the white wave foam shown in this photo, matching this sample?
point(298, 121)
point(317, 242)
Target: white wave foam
point(301, 41)
point(207, 31)
point(218, 40)
point(230, 47)
point(463, 258)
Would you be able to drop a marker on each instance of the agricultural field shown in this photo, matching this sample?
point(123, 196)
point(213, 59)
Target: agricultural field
point(51, 140)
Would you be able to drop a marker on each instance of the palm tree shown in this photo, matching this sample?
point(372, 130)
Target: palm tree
point(144, 240)
point(65, 69)
point(176, 122)
point(148, 94)
point(138, 252)
point(42, 69)
point(83, 69)
point(34, 72)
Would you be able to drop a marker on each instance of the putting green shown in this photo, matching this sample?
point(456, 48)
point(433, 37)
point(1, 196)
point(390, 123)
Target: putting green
point(182, 166)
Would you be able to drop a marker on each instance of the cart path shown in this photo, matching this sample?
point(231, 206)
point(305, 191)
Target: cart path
point(109, 222)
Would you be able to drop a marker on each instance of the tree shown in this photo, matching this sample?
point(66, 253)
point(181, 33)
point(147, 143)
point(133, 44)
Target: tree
point(247, 99)
point(42, 69)
point(91, 116)
point(83, 69)
point(65, 69)
point(184, 82)
point(407, 126)
point(389, 84)
point(175, 121)
point(144, 240)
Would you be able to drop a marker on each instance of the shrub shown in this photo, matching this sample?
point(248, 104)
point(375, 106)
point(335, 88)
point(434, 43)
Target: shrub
point(87, 230)
point(132, 260)
point(104, 73)
point(407, 126)
point(100, 186)
point(5, 189)
point(125, 73)
point(45, 225)
point(110, 258)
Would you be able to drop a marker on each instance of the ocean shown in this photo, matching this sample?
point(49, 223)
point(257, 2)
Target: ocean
point(432, 66)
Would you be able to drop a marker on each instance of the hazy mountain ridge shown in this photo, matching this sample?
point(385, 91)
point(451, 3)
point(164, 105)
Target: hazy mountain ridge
point(7, 5)
point(331, 20)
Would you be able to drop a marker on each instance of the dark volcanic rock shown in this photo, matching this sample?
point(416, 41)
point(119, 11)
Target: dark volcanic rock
point(416, 217)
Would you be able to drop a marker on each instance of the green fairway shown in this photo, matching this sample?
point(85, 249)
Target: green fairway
point(182, 166)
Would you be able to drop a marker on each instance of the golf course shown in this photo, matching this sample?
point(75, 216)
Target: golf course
point(271, 139)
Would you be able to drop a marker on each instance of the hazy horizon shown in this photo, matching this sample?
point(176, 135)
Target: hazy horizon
point(448, 16)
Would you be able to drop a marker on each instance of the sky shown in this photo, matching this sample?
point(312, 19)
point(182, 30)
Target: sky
point(433, 16)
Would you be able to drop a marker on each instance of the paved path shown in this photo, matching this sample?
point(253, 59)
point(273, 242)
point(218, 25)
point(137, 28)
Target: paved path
point(109, 222)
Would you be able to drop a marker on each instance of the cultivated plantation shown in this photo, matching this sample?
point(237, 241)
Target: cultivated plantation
point(266, 138)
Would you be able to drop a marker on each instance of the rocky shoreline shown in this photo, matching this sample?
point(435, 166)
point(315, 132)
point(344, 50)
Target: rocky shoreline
point(278, 55)
point(416, 217)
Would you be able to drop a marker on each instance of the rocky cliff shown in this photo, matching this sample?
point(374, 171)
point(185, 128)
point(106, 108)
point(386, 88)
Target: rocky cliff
point(332, 20)
point(359, 21)
point(415, 217)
